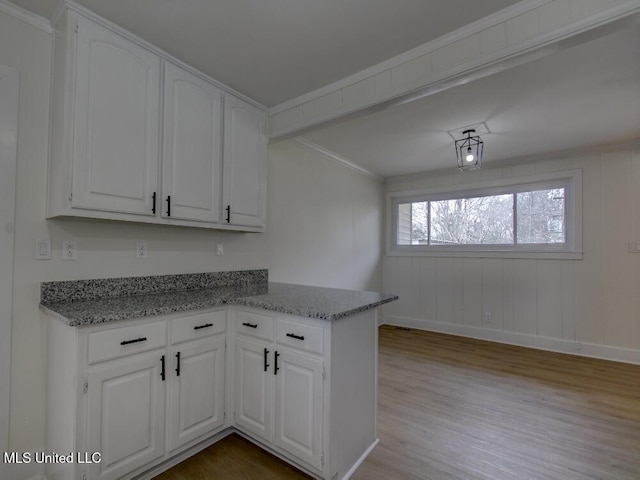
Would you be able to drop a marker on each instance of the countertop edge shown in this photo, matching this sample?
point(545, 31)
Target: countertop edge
point(142, 313)
point(247, 301)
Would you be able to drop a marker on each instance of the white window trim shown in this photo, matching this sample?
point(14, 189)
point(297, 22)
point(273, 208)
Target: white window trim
point(571, 250)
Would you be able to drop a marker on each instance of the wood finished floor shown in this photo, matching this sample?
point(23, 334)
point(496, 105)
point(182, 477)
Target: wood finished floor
point(456, 408)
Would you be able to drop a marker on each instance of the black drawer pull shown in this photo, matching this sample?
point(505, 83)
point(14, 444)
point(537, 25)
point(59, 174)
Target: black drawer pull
point(135, 340)
point(178, 364)
point(206, 325)
point(250, 325)
point(275, 367)
point(228, 209)
point(297, 337)
point(162, 374)
point(153, 207)
point(266, 353)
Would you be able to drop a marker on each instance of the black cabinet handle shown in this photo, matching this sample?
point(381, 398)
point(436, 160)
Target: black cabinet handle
point(168, 205)
point(178, 364)
point(297, 337)
point(162, 376)
point(266, 353)
point(250, 325)
point(206, 325)
point(228, 209)
point(275, 367)
point(135, 340)
point(153, 205)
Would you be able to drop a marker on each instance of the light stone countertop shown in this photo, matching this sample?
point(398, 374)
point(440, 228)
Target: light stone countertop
point(313, 302)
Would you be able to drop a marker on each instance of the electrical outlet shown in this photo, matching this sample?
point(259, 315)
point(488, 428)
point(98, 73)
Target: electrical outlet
point(488, 319)
point(141, 249)
point(220, 248)
point(68, 250)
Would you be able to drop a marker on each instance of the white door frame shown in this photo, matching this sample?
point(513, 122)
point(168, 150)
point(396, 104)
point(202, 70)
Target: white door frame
point(9, 84)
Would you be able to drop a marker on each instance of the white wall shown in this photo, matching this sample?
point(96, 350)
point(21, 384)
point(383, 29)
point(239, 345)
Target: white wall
point(324, 221)
point(324, 228)
point(590, 306)
point(28, 50)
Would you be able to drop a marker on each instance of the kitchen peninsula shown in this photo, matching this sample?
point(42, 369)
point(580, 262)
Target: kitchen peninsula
point(147, 371)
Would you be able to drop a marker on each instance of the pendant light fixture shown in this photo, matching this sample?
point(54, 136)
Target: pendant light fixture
point(469, 151)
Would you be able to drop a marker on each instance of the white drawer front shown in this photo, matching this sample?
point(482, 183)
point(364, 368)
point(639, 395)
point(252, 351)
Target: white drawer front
point(300, 335)
point(198, 326)
point(254, 324)
point(119, 342)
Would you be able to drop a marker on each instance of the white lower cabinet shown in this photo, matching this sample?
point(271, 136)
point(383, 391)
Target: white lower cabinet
point(137, 392)
point(280, 390)
point(196, 393)
point(145, 393)
point(125, 414)
point(299, 411)
point(254, 388)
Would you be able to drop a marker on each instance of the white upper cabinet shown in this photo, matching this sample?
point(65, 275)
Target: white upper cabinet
point(138, 136)
point(191, 173)
point(116, 127)
point(245, 164)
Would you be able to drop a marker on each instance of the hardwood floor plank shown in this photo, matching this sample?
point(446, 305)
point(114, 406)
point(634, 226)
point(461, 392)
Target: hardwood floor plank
point(464, 409)
point(233, 458)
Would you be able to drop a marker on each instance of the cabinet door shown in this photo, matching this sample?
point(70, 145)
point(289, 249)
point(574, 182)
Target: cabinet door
point(125, 414)
point(254, 388)
point(245, 164)
point(196, 390)
point(299, 407)
point(116, 124)
point(191, 173)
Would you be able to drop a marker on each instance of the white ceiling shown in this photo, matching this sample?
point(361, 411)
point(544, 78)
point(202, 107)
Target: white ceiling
point(582, 96)
point(276, 50)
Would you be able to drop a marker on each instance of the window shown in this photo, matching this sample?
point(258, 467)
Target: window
point(536, 215)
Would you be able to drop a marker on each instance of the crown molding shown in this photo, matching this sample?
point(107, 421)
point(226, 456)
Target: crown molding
point(335, 157)
point(470, 29)
point(26, 16)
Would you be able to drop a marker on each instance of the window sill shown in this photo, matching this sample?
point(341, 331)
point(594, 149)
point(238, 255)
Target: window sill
point(479, 253)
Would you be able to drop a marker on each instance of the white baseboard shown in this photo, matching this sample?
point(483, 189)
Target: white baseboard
point(583, 349)
point(362, 458)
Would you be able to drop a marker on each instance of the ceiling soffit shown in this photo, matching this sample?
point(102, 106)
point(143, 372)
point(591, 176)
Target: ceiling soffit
point(493, 44)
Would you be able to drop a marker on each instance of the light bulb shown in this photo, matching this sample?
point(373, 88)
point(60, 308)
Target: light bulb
point(469, 156)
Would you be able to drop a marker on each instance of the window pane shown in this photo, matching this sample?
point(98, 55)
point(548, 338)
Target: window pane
point(473, 221)
point(541, 216)
point(413, 223)
point(420, 223)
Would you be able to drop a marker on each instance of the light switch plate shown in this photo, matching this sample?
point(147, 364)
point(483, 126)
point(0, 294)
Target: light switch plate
point(43, 249)
point(634, 247)
point(220, 248)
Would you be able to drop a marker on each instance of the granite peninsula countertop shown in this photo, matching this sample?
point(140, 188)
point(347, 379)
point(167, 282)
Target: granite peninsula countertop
point(307, 301)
